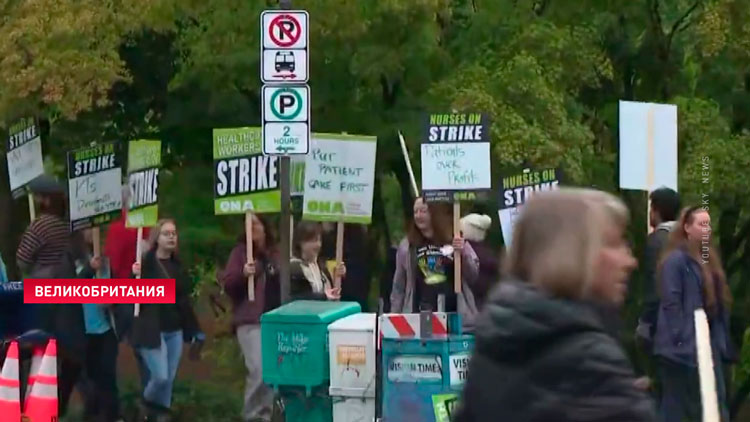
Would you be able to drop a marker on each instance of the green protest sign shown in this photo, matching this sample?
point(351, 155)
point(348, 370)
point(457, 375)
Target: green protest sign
point(244, 178)
point(144, 160)
point(444, 405)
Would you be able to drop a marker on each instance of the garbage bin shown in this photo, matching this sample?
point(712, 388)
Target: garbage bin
point(353, 362)
point(295, 356)
point(421, 374)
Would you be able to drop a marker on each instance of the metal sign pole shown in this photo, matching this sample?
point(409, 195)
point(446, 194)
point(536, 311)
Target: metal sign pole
point(286, 210)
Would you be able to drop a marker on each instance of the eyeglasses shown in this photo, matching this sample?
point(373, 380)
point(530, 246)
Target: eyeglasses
point(169, 234)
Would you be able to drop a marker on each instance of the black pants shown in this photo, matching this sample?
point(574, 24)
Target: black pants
point(102, 405)
point(681, 395)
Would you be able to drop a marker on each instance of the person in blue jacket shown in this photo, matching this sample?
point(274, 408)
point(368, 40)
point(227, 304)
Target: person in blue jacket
point(690, 277)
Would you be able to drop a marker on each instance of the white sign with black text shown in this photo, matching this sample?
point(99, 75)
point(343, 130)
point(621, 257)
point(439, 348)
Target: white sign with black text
point(286, 119)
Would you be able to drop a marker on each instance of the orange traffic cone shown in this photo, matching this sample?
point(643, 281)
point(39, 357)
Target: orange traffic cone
point(10, 387)
point(41, 405)
point(36, 362)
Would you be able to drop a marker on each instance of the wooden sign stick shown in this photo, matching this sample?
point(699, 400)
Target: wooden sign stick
point(95, 238)
point(32, 208)
point(137, 310)
point(339, 250)
point(456, 253)
point(650, 168)
point(408, 165)
point(249, 242)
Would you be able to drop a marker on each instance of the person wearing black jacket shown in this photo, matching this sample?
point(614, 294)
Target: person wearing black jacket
point(309, 277)
point(665, 208)
point(355, 287)
point(158, 331)
point(542, 351)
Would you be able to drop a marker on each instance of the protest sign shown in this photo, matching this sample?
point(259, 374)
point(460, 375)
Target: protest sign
point(94, 186)
point(245, 180)
point(517, 188)
point(455, 158)
point(340, 178)
point(297, 174)
point(144, 160)
point(444, 405)
point(24, 153)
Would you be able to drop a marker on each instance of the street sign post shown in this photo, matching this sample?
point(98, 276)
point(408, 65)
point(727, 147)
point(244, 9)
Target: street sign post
point(286, 119)
point(284, 50)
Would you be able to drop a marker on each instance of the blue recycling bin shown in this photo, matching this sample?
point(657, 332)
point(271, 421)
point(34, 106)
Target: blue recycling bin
point(416, 369)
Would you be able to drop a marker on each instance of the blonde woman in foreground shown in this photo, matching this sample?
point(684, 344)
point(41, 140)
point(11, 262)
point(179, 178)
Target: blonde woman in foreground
point(542, 351)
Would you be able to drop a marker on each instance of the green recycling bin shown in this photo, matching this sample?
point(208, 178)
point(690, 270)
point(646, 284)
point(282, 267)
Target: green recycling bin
point(294, 341)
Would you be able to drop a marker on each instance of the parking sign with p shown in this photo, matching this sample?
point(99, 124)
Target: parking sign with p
point(286, 119)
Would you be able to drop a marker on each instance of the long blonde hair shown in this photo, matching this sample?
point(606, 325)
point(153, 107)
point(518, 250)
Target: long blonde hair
point(153, 237)
point(558, 237)
point(712, 268)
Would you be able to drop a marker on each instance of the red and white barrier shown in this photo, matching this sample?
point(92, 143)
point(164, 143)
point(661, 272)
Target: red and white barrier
point(409, 326)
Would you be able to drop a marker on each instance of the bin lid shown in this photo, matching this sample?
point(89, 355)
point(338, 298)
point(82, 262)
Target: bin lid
point(311, 312)
point(356, 322)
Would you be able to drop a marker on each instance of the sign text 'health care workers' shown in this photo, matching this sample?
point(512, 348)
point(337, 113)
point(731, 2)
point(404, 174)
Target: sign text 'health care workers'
point(244, 178)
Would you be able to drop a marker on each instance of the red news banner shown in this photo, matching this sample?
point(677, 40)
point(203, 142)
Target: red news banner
point(99, 291)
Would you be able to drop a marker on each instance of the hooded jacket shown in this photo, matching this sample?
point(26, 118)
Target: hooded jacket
point(541, 359)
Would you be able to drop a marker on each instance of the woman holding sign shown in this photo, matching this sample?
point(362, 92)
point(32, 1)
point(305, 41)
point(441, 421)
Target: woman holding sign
point(424, 265)
point(309, 277)
point(246, 314)
point(542, 351)
point(158, 331)
point(690, 277)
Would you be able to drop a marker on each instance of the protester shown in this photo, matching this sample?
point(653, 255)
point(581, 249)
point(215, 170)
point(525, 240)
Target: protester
point(355, 287)
point(542, 352)
point(691, 277)
point(46, 239)
point(665, 207)
point(105, 325)
point(46, 251)
point(425, 267)
point(120, 248)
point(246, 314)
point(309, 277)
point(474, 228)
point(159, 330)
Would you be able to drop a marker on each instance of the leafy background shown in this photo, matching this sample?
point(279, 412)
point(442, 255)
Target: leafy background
point(549, 74)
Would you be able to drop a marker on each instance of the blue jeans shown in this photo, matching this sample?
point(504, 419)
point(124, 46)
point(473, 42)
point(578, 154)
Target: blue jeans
point(162, 366)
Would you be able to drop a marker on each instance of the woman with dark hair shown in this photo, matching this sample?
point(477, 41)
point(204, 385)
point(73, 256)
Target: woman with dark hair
point(690, 277)
point(425, 267)
point(246, 314)
point(159, 331)
point(309, 277)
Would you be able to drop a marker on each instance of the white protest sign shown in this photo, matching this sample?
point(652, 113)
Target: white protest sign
point(415, 368)
point(648, 146)
point(459, 369)
point(340, 178)
point(456, 166)
point(24, 153)
point(94, 186)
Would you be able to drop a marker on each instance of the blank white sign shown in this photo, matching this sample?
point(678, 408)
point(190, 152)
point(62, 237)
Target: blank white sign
point(648, 146)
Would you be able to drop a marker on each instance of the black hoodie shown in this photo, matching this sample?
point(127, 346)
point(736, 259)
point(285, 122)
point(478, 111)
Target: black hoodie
point(544, 359)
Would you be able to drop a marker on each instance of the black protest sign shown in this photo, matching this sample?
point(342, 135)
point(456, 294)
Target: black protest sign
point(94, 186)
point(517, 188)
point(456, 127)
